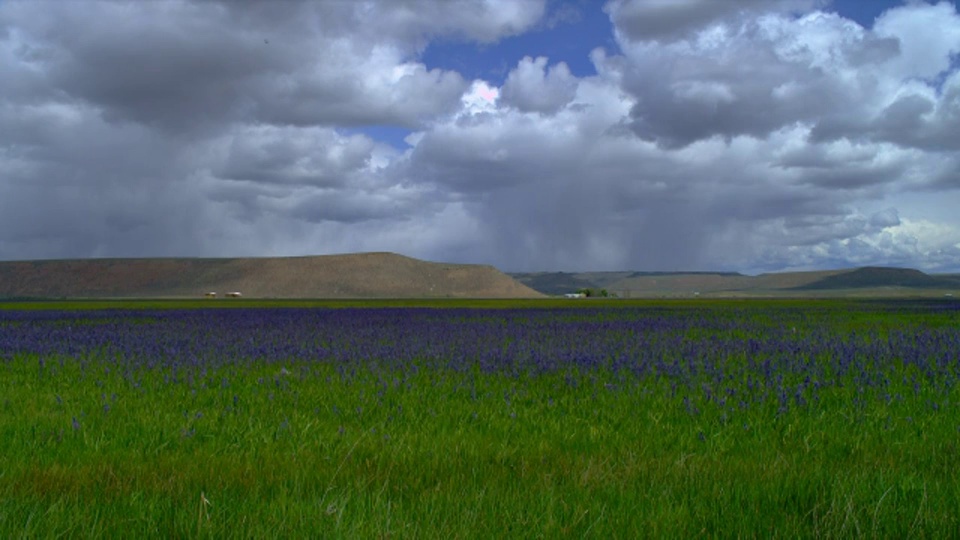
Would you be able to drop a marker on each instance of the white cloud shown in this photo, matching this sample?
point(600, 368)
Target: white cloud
point(479, 99)
point(531, 86)
point(928, 35)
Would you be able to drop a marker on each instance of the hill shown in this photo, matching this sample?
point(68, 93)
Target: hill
point(362, 275)
point(868, 281)
point(883, 277)
point(553, 283)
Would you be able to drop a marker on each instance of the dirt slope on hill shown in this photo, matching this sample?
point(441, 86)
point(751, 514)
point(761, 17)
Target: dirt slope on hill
point(363, 275)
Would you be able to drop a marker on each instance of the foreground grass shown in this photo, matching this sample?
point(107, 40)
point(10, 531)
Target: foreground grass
point(464, 456)
point(304, 449)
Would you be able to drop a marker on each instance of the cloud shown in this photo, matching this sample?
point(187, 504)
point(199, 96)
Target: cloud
point(188, 66)
point(915, 92)
point(307, 174)
point(667, 20)
point(79, 187)
point(918, 116)
point(289, 155)
point(755, 75)
point(176, 128)
point(413, 21)
point(928, 37)
point(534, 87)
point(373, 91)
point(749, 136)
point(769, 74)
point(885, 218)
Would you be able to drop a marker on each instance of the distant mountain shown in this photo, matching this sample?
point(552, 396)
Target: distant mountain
point(859, 281)
point(625, 282)
point(872, 276)
point(388, 275)
point(661, 274)
point(553, 283)
point(361, 275)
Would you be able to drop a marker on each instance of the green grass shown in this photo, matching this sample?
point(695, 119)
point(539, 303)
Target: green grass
point(302, 450)
point(309, 457)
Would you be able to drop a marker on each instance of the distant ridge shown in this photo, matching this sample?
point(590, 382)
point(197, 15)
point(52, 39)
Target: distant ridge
point(867, 281)
point(873, 276)
point(553, 283)
point(725, 274)
point(359, 275)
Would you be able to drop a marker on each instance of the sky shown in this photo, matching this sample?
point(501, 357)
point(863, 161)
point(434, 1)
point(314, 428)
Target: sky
point(533, 135)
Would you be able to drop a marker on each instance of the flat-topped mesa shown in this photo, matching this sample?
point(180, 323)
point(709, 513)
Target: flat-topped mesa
point(360, 275)
point(877, 276)
point(866, 281)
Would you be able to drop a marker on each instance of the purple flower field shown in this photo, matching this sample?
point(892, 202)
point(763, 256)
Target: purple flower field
point(731, 358)
point(668, 419)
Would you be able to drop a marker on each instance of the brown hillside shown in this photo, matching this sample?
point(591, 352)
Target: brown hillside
point(680, 283)
point(364, 275)
point(790, 280)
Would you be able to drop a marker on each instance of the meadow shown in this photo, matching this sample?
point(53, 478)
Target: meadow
point(540, 419)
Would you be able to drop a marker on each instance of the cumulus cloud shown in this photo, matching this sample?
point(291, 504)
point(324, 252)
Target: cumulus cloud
point(190, 128)
point(289, 155)
point(765, 75)
point(313, 174)
point(928, 35)
point(900, 245)
point(742, 135)
point(531, 86)
point(711, 160)
point(192, 65)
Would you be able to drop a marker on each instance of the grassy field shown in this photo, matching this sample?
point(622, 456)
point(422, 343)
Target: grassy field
point(480, 419)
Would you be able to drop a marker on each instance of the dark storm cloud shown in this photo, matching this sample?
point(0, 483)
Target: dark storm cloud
point(730, 135)
point(75, 186)
point(317, 157)
point(408, 100)
point(566, 198)
point(923, 121)
point(873, 50)
point(850, 176)
point(178, 128)
point(172, 65)
point(185, 66)
point(471, 155)
point(749, 87)
point(905, 115)
point(641, 20)
point(356, 206)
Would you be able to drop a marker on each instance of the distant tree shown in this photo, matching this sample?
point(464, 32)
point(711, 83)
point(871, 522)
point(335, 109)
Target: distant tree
point(586, 292)
point(604, 293)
